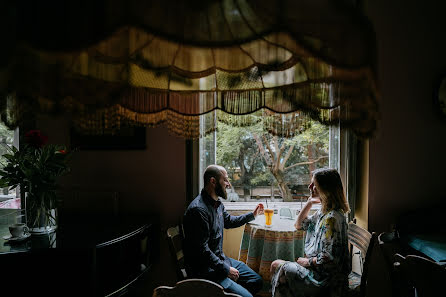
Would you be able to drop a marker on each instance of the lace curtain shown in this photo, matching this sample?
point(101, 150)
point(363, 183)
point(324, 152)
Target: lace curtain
point(135, 62)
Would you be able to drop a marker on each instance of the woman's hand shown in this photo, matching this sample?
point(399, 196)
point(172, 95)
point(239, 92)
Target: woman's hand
point(305, 210)
point(304, 262)
point(314, 200)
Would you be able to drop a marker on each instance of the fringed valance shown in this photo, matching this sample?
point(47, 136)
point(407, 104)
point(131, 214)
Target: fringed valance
point(170, 62)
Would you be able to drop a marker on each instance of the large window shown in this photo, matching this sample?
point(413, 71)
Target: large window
point(264, 167)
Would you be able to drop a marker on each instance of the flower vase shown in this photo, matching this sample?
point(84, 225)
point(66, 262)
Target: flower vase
point(41, 216)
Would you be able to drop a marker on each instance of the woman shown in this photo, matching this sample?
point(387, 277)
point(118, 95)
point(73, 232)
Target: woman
point(326, 264)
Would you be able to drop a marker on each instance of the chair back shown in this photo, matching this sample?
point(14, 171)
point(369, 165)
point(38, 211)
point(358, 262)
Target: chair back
point(121, 262)
point(364, 241)
point(418, 274)
point(285, 212)
point(193, 288)
point(175, 238)
point(359, 238)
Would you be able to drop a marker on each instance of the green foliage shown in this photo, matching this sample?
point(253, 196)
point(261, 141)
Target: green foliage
point(35, 169)
point(240, 154)
point(6, 137)
point(237, 151)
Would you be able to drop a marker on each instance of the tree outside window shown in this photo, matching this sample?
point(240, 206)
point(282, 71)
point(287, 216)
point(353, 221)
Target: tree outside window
point(8, 198)
point(261, 165)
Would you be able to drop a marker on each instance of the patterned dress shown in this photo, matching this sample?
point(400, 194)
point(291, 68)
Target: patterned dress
point(325, 239)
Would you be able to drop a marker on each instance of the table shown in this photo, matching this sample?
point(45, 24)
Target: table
point(261, 245)
point(94, 256)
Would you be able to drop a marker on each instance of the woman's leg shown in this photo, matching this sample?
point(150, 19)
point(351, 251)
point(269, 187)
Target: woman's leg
point(274, 266)
point(291, 279)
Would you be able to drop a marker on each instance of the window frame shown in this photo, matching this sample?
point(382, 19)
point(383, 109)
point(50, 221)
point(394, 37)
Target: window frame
point(346, 165)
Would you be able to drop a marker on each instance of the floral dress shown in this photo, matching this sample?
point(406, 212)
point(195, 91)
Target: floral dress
point(325, 239)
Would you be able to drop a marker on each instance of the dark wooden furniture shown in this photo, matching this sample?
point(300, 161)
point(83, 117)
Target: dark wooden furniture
point(419, 276)
point(192, 287)
point(175, 238)
point(364, 241)
point(86, 256)
point(421, 232)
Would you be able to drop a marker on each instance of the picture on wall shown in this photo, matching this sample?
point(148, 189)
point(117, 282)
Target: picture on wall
point(127, 138)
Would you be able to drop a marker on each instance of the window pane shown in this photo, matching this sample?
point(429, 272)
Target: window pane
point(8, 198)
point(261, 166)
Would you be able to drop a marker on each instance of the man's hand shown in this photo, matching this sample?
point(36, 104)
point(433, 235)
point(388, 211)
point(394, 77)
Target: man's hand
point(258, 210)
point(233, 274)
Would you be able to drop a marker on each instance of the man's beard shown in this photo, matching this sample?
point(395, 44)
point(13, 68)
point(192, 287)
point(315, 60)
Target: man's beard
point(221, 191)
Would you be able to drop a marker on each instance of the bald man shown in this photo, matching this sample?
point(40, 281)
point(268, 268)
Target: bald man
point(204, 221)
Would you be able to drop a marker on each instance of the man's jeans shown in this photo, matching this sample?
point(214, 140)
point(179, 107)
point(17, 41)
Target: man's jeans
point(248, 283)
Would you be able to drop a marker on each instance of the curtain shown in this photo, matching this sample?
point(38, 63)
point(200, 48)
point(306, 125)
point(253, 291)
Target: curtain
point(114, 63)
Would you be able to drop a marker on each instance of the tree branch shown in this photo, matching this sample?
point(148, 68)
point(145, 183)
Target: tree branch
point(253, 159)
point(278, 152)
point(268, 146)
point(306, 163)
point(262, 149)
point(288, 154)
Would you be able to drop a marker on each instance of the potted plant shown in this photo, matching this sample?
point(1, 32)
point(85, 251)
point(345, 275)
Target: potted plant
point(36, 168)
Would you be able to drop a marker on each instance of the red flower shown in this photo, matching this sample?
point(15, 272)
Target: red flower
point(35, 138)
point(62, 151)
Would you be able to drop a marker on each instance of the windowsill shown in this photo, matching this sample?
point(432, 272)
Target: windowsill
point(7, 197)
point(250, 206)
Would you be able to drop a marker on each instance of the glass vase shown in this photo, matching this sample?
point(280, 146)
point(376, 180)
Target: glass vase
point(41, 213)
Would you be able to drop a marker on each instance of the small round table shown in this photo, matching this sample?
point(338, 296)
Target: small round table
point(261, 245)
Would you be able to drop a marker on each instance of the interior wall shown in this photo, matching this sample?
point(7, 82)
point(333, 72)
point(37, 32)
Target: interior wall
point(361, 205)
point(148, 181)
point(408, 154)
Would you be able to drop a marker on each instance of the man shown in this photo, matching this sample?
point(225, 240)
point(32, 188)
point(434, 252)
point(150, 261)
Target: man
point(203, 221)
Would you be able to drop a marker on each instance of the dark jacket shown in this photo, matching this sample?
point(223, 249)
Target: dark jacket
point(203, 222)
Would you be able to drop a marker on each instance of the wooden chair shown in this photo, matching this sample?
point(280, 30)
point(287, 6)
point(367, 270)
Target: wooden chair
point(364, 241)
point(420, 276)
point(121, 263)
point(389, 244)
point(285, 212)
point(186, 287)
point(192, 288)
point(175, 237)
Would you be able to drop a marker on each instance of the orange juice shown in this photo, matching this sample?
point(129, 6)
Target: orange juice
point(268, 216)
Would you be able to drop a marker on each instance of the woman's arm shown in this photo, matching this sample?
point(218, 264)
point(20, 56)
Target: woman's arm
point(305, 210)
point(331, 242)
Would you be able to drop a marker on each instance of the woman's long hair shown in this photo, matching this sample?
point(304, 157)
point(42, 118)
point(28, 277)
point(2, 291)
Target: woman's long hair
point(330, 188)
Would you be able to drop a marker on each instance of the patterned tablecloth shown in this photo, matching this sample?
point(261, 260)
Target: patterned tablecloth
point(262, 245)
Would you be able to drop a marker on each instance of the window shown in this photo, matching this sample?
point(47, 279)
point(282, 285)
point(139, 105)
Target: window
point(8, 138)
point(262, 167)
